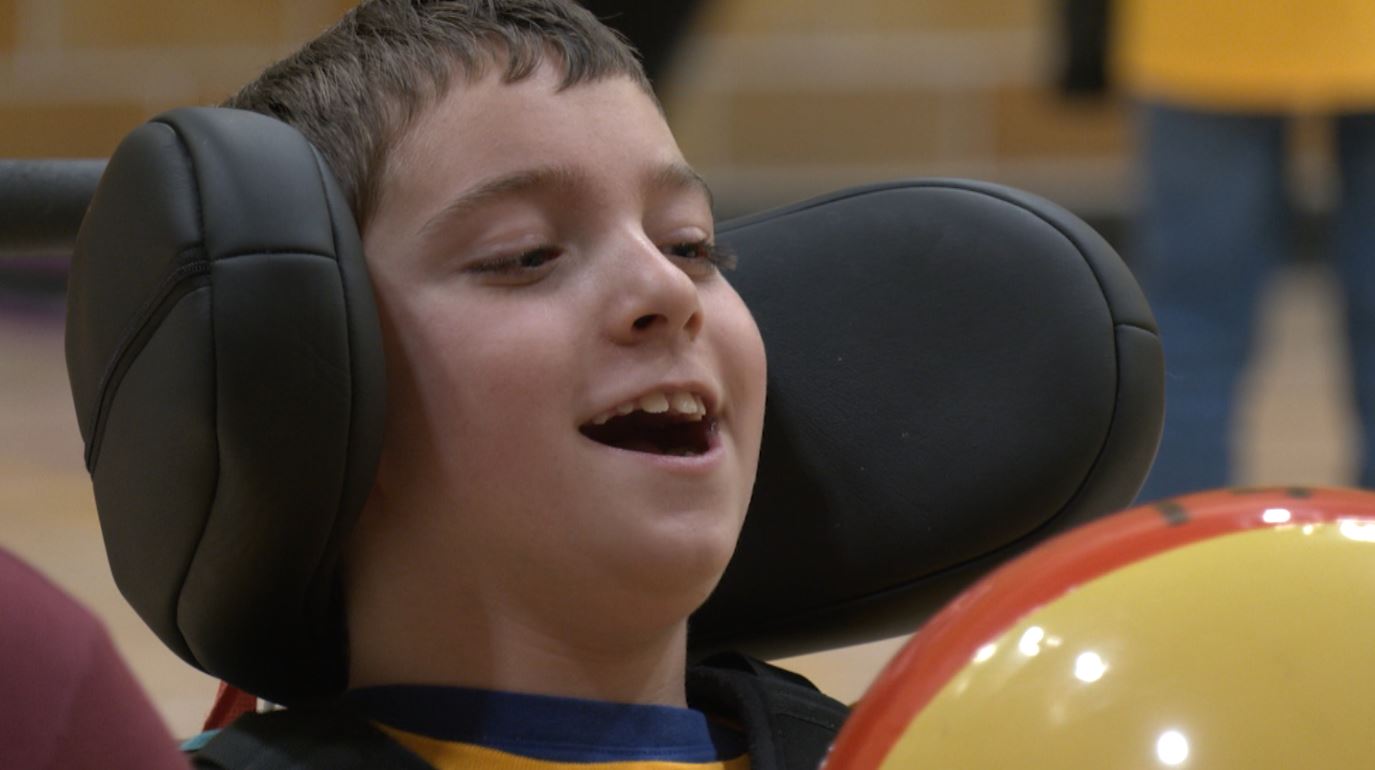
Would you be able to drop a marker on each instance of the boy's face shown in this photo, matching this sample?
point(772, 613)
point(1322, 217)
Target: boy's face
point(538, 261)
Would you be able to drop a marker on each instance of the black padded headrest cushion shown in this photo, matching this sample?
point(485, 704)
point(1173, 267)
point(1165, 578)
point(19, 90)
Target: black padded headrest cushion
point(226, 364)
point(955, 370)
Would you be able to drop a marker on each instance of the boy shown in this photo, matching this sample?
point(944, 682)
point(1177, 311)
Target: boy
point(575, 394)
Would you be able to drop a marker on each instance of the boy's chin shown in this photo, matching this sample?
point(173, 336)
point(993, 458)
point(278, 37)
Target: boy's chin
point(679, 567)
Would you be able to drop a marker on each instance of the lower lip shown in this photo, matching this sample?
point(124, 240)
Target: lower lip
point(686, 464)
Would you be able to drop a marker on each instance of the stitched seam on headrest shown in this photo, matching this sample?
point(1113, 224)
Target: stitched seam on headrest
point(1079, 247)
point(190, 164)
point(999, 195)
point(1116, 370)
point(198, 202)
point(126, 348)
point(1130, 325)
point(270, 252)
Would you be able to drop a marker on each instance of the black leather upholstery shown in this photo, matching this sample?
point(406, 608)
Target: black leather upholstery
point(226, 365)
point(956, 369)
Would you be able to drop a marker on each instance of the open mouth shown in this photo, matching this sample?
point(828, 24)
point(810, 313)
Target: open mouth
point(675, 424)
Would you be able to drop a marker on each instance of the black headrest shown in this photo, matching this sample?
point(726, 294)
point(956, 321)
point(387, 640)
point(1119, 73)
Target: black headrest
point(955, 369)
point(226, 364)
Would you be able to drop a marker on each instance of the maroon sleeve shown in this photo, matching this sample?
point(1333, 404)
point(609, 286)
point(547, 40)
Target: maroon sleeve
point(66, 698)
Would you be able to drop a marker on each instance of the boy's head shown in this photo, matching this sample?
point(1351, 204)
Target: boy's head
point(575, 393)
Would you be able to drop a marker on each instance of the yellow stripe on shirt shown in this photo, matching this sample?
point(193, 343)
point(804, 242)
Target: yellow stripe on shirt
point(449, 755)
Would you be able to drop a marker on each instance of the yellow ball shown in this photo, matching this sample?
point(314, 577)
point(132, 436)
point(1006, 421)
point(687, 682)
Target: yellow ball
point(1229, 629)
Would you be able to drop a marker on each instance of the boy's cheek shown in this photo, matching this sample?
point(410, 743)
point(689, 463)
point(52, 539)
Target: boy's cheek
point(748, 369)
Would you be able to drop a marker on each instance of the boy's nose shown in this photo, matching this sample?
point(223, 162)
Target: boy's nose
point(652, 298)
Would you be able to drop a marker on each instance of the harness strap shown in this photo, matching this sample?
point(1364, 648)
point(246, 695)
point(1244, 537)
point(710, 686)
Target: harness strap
point(789, 723)
point(302, 738)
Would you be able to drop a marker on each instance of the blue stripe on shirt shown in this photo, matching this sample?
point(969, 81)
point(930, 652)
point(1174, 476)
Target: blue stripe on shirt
point(547, 727)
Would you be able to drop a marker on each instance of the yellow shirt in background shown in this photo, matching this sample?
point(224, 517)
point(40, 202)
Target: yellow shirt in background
point(1262, 55)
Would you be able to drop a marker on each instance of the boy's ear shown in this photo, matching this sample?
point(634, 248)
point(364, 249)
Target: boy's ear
point(226, 366)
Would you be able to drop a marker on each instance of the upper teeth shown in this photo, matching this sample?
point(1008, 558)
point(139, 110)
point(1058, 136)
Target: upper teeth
point(678, 401)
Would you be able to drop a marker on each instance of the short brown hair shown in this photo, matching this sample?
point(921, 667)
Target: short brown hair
point(354, 90)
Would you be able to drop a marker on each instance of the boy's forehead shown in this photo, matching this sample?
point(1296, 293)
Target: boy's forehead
point(489, 138)
point(473, 120)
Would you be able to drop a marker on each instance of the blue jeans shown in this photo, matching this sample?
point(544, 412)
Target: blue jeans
point(1214, 220)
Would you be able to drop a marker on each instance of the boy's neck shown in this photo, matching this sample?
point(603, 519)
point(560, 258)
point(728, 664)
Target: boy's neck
point(515, 657)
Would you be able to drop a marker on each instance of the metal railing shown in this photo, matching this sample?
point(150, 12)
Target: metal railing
point(41, 205)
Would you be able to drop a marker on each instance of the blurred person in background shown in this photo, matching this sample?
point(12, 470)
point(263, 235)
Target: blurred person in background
point(655, 29)
point(1216, 85)
point(67, 699)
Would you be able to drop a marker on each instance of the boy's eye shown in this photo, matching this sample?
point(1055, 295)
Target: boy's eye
point(703, 251)
point(521, 264)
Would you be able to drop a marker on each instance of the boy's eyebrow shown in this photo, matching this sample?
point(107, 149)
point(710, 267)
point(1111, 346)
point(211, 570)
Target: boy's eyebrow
point(670, 176)
point(678, 176)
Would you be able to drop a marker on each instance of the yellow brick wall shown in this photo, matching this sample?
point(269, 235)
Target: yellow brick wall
point(64, 130)
point(772, 16)
point(773, 98)
point(779, 99)
point(1031, 122)
point(9, 21)
point(76, 75)
point(149, 24)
